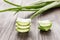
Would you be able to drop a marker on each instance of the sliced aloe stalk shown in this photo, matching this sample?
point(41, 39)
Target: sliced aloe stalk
point(24, 22)
point(45, 28)
point(23, 27)
point(45, 25)
point(22, 31)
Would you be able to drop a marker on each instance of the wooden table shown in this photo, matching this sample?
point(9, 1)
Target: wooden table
point(7, 23)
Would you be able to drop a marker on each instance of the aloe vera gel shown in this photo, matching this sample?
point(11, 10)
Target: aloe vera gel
point(45, 25)
point(23, 25)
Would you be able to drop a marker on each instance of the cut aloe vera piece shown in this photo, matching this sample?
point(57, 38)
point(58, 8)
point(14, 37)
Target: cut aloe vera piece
point(22, 31)
point(23, 27)
point(45, 25)
point(23, 21)
point(45, 28)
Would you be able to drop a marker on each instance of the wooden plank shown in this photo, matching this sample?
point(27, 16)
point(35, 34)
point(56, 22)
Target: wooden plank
point(7, 24)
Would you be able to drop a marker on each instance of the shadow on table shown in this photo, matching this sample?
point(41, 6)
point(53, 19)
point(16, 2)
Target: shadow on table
point(45, 32)
point(23, 36)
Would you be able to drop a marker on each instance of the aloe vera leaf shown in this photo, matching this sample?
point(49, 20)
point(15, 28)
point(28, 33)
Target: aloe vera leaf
point(45, 8)
point(12, 3)
point(38, 5)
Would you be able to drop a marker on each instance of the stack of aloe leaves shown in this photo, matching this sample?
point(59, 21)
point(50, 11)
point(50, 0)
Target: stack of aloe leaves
point(23, 25)
point(39, 7)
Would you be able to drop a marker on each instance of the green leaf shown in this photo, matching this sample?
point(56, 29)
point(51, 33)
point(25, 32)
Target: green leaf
point(45, 8)
point(12, 3)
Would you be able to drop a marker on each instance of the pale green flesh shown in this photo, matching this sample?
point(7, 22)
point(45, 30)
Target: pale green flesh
point(22, 27)
point(45, 23)
point(45, 28)
point(23, 23)
point(20, 30)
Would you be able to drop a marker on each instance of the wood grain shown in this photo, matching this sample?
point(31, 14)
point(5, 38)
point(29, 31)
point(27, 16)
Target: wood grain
point(7, 24)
